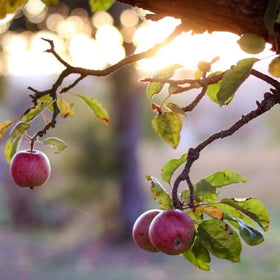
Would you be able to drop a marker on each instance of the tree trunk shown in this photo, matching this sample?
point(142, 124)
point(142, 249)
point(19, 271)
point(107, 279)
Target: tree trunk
point(127, 106)
point(235, 16)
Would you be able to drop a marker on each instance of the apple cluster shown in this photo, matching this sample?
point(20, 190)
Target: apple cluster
point(30, 168)
point(168, 231)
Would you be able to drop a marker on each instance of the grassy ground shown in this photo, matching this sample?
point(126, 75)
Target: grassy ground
point(24, 257)
point(76, 252)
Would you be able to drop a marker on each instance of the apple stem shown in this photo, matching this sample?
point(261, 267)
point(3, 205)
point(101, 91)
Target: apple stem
point(32, 144)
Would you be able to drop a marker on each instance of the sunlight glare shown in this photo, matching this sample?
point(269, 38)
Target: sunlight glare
point(54, 21)
point(115, 56)
point(74, 41)
point(39, 45)
point(35, 10)
point(188, 49)
point(86, 52)
point(108, 36)
point(15, 43)
point(24, 59)
point(150, 33)
point(71, 26)
point(34, 7)
point(129, 18)
point(102, 18)
point(110, 40)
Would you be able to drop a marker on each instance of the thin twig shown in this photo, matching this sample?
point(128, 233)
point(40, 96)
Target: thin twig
point(194, 103)
point(69, 69)
point(269, 100)
point(206, 80)
point(266, 78)
point(65, 89)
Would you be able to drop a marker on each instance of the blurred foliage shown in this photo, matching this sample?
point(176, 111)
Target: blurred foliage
point(2, 85)
point(94, 167)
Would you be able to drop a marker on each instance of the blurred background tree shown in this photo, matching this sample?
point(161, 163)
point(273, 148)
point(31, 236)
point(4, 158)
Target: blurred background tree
point(108, 161)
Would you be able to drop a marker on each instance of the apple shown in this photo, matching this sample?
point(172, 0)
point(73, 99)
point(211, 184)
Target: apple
point(172, 232)
point(140, 230)
point(30, 168)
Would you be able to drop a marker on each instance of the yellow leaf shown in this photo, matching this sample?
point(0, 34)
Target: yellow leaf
point(64, 108)
point(211, 211)
point(197, 74)
point(204, 66)
point(168, 126)
point(4, 126)
point(50, 2)
point(274, 67)
point(8, 6)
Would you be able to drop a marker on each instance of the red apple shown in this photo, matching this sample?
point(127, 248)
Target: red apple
point(140, 231)
point(172, 232)
point(30, 168)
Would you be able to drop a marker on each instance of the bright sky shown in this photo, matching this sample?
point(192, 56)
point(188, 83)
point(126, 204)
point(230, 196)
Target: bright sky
point(75, 42)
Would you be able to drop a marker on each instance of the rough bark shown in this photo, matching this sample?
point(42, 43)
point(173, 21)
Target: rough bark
point(235, 16)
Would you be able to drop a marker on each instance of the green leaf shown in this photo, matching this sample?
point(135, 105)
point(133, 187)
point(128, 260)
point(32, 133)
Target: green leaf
point(11, 148)
point(270, 15)
point(224, 178)
point(248, 233)
point(171, 166)
point(274, 67)
point(50, 2)
point(198, 255)
point(233, 79)
point(173, 89)
point(234, 212)
point(57, 143)
point(168, 125)
point(210, 210)
point(14, 140)
point(154, 88)
point(253, 208)
point(185, 196)
point(33, 112)
point(160, 194)
point(219, 238)
point(100, 5)
point(251, 43)
point(205, 189)
point(205, 192)
point(96, 108)
point(18, 130)
point(166, 73)
point(213, 89)
point(65, 108)
point(176, 109)
point(4, 126)
point(46, 99)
